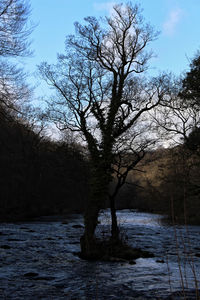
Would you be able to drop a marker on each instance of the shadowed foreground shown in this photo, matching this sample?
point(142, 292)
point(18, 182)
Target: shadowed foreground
point(39, 259)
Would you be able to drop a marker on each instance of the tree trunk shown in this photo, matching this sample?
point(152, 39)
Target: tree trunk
point(88, 243)
point(98, 191)
point(114, 226)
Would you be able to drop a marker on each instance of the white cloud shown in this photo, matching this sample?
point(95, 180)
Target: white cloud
point(174, 18)
point(105, 6)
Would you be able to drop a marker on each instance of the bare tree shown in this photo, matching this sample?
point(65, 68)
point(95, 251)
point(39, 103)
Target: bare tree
point(178, 117)
point(178, 121)
point(13, 28)
point(14, 92)
point(128, 151)
point(14, 31)
point(100, 96)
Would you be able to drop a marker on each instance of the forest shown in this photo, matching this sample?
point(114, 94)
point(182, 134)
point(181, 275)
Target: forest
point(127, 141)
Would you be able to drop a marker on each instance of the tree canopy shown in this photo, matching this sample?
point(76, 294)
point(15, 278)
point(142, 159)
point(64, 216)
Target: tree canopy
point(13, 28)
point(14, 33)
point(102, 95)
point(190, 90)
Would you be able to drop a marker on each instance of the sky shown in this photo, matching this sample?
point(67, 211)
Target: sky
point(177, 20)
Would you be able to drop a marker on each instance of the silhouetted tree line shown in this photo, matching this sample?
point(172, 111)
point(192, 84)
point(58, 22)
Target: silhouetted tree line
point(170, 182)
point(37, 176)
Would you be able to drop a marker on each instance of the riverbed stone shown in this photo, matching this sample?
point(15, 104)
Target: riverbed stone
point(77, 226)
point(160, 261)
point(31, 274)
point(132, 262)
point(6, 247)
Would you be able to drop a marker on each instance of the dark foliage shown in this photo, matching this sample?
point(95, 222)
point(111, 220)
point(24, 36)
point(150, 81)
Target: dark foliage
point(191, 83)
point(193, 140)
point(37, 176)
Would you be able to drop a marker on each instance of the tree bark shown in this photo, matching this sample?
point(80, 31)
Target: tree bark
point(88, 245)
point(98, 191)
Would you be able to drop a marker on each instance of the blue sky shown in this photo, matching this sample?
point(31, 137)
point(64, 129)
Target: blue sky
point(177, 20)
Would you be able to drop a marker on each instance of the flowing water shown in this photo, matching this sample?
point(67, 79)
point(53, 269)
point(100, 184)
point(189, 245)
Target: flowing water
point(38, 260)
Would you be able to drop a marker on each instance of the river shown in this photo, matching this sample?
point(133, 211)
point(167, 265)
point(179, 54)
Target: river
point(38, 260)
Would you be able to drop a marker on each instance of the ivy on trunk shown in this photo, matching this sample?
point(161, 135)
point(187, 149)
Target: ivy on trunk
point(101, 95)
